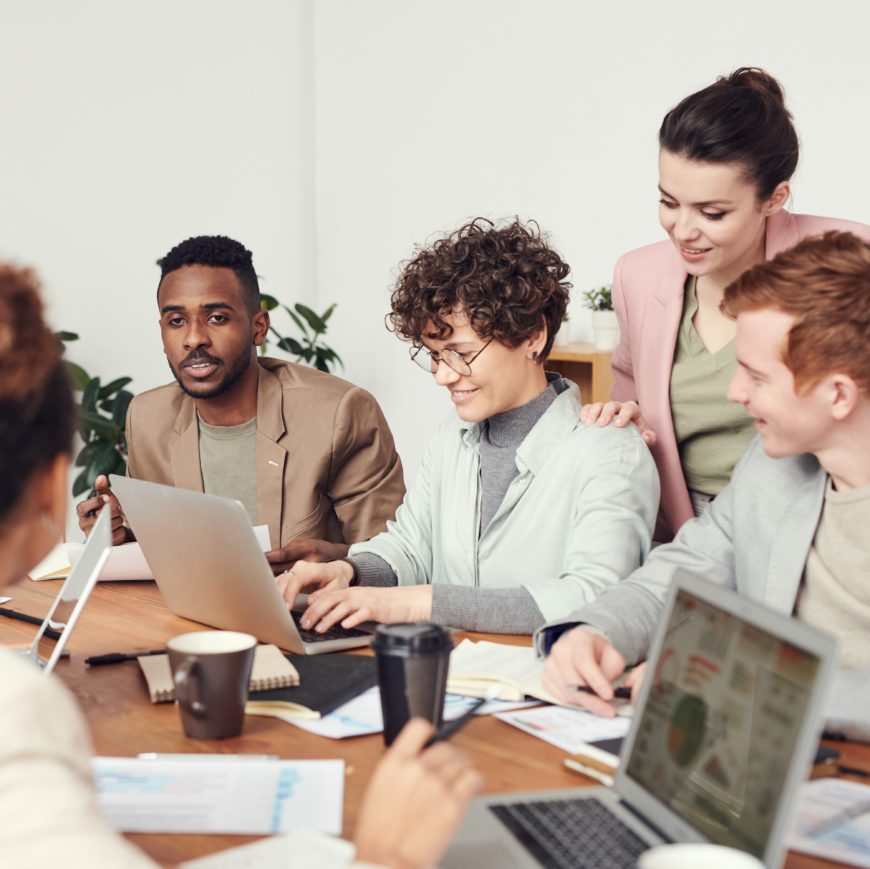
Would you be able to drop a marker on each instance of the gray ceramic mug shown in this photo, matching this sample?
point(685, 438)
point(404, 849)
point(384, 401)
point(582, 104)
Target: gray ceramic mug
point(211, 671)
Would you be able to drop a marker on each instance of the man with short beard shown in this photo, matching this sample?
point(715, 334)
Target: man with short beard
point(306, 453)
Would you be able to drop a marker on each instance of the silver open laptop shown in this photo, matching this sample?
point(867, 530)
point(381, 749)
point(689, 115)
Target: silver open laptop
point(73, 594)
point(724, 732)
point(210, 568)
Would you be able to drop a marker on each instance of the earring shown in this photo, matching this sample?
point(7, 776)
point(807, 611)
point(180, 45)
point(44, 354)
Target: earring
point(533, 355)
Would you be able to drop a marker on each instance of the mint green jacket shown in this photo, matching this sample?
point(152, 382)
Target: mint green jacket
point(576, 520)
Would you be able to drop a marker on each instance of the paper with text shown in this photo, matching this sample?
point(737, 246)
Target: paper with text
point(220, 794)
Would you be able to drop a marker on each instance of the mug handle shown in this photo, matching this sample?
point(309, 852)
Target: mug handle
point(185, 687)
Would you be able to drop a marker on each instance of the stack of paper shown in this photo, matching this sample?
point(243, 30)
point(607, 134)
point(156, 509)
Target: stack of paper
point(219, 794)
point(475, 667)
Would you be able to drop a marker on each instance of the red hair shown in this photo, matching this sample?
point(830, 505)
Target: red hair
point(824, 283)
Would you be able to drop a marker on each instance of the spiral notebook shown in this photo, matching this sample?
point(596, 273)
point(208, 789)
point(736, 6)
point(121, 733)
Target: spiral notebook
point(271, 670)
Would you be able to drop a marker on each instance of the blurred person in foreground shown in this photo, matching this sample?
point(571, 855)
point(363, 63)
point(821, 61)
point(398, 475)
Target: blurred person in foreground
point(48, 807)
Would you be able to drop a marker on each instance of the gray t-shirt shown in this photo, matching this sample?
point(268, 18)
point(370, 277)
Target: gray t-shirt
point(228, 460)
point(835, 596)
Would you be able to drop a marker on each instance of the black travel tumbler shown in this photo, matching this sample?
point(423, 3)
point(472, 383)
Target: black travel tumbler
point(412, 673)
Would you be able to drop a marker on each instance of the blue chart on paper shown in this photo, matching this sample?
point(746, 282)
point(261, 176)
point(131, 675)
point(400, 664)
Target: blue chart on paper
point(287, 781)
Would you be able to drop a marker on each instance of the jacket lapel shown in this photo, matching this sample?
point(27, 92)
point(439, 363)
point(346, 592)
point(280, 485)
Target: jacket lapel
point(794, 537)
point(184, 449)
point(271, 458)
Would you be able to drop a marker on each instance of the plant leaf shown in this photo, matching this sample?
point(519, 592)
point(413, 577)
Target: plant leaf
point(87, 453)
point(119, 412)
point(80, 378)
point(113, 387)
point(295, 319)
point(89, 396)
point(291, 345)
point(66, 336)
point(102, 427)
point(311, 318)
point(327, 314)
point(267, 302)
point(81, 484)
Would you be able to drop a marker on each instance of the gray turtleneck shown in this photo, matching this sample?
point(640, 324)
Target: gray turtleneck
point(499, 610)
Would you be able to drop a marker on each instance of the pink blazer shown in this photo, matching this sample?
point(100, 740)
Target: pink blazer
point(648, 299)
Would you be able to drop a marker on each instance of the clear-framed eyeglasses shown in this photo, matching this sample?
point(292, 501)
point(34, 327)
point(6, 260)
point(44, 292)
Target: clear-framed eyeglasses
point(457, 360)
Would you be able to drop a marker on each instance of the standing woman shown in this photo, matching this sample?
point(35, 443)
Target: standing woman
point(727, 155)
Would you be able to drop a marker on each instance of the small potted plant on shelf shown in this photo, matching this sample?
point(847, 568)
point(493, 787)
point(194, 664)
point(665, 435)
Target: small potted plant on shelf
point(604, 327)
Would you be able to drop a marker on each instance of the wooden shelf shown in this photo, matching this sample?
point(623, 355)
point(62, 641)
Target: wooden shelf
point(587, 366)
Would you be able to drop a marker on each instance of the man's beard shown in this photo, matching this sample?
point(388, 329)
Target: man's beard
point(233, 374)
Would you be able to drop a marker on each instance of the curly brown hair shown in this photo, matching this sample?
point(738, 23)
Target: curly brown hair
point(507, 280)
point(36, 406)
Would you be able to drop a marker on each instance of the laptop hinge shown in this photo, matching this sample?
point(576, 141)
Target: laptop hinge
point(645, 820)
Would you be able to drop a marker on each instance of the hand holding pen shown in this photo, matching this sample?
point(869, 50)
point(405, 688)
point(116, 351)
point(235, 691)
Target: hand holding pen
point(88, 510)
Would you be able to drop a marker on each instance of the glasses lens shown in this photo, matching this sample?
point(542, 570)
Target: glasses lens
point(423, 358)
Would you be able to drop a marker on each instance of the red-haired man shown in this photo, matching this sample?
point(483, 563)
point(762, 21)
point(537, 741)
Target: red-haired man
point(791, 528)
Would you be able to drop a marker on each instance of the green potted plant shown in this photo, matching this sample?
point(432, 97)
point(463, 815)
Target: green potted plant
point(308, 348)
point(102, 411)
point(604, 327)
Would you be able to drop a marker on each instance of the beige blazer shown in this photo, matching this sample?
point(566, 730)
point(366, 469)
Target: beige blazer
point(327, 466)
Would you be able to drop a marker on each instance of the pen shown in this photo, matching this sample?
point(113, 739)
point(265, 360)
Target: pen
point(31, 620)
point(119, 657)
point(447, 730)
point(620, 693)
point(92, 494)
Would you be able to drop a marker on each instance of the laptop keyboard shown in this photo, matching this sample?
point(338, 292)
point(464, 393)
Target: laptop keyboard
point(571, 833)
point(336, 632)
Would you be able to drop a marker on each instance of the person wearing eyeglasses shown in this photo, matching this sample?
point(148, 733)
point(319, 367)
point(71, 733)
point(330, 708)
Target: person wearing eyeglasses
point(519, 511)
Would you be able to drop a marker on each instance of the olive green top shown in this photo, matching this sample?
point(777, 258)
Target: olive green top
point(228, 460)
point(712, 432)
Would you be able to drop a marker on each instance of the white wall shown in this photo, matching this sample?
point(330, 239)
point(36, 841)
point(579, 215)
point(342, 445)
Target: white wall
point(429, 113)
point(129, 127)
point(331, 136)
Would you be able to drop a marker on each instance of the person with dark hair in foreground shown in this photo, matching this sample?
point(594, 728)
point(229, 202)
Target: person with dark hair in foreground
point(790, 529)
point(306, 453)
point(48, 808)
point(519, 512)
point(727, 154)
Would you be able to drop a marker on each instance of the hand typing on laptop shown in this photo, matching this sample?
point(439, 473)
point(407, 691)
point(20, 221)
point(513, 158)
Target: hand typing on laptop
point(350, 607)
point(307, 576)
point(582, 657)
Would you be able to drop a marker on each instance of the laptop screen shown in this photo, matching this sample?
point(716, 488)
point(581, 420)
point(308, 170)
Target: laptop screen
point(721, 722)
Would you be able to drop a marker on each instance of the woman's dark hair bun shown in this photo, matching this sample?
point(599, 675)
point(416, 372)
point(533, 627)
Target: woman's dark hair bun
point(740, 118)
point(758, 80)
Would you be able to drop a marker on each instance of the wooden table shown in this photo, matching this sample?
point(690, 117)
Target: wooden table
point(131, 616)
point(587, 366)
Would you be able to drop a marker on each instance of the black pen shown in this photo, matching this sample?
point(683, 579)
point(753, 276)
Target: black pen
point(92, 494)
point(31, 620)
point(447, 730)
point(119, 657)
point(620, 693)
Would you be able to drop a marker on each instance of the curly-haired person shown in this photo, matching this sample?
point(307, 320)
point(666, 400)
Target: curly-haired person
point(519, 511)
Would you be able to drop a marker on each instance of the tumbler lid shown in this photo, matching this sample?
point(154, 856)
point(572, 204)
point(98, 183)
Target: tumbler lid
point(414, 638)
